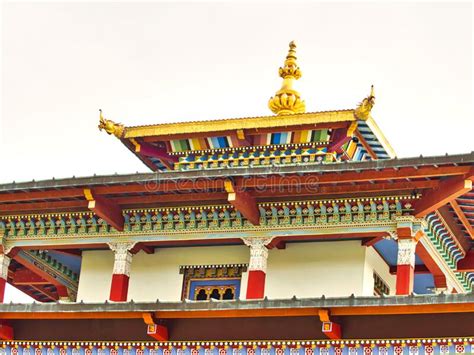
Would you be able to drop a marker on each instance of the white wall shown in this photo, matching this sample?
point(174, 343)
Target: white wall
point(374, 262)
point(302, 269)
point(96, 275)
point(157, 275)
point(153, 276)
point(314, 269)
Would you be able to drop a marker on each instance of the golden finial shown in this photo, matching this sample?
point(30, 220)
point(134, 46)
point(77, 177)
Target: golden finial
point(287, 100)
point(110, 126)
point(362, 112)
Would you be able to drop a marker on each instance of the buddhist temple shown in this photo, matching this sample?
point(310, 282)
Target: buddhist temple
point(296, 233)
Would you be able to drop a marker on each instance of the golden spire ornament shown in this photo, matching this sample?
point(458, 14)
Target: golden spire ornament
point(287, 100)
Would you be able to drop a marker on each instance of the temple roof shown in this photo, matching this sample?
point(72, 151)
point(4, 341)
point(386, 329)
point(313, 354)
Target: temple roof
point(338, 305)
point(330, 136)
point(420, 161)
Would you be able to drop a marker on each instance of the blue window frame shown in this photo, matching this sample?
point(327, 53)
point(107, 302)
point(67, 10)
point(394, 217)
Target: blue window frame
point(222, 286)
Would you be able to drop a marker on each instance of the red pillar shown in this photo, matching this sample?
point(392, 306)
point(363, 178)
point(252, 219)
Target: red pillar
point(4, 264)
point(121, 274)
point(405, 266)
point(257, 266)
point(256, 284)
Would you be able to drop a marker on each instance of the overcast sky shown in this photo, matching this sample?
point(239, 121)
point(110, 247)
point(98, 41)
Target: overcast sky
point(146, 63)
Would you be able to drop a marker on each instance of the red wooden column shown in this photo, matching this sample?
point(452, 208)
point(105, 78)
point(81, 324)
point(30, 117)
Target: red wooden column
point(121, 273)
point(257, 266)
point(405, 265)
point(4, 264)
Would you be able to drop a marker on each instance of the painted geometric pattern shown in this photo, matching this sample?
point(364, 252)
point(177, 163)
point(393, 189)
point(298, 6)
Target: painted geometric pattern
point(372, 140)
point(275, 214)
point(182, 145)
point(355, 151)
point(321, 347)
point(448, 248)
point(307, 136)
point(254, 157)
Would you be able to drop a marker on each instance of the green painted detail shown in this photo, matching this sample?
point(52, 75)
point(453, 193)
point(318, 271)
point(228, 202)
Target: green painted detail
point(53, 263)
point(256, 156)
point(208, 218)
point(448, 256)
point(320, 135)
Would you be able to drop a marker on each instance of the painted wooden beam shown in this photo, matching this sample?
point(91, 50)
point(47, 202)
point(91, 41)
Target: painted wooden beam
point(248, 132)
point(240, 139)
point(467, 263)
point(249, 182)
point(368, 242)
point(43, 290)
point(75, 253)
point(156, 331)
point(330, 329)
point(419, 269)
point(43, 206)
point(447, 191)
point(148, 150)
point(243, 202)
point(365, 144)
point(27, 277)
point(341, 136)
point(462, 217)
point(438, 275)
point(220, 197)
point(38, 266)
point(142, 246)
point(351, 176)
point(447, 219)
point(106, 209)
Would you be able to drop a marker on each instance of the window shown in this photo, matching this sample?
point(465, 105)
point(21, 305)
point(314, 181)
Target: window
point(380, 287)
point(218, 282)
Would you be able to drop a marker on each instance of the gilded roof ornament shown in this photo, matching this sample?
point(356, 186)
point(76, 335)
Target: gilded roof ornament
point(287, 100)
point(362, 112)
point(110, 126)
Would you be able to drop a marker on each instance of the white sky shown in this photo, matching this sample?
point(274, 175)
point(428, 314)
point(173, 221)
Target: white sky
point(146, 63)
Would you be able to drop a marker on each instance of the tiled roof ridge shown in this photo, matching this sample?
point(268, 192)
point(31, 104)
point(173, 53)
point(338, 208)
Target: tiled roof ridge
point(466, 158)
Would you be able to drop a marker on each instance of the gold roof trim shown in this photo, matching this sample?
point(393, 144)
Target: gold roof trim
point(166, 129)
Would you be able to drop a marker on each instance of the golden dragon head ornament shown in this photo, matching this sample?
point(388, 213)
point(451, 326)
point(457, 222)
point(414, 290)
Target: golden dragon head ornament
point(362, 112)
point(110, 126)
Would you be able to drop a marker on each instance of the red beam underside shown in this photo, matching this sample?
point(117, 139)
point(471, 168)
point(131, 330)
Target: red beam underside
point(419, 269)
point(109, 211)
point(462, 217)
point(467, 263)
point(246, 205)
point(52, 296)
point(292, 191)
point(250, 132)
point(438, 275)
point(27, 277)
point(435, 270)
point(447, 218)
point(288, 180)
point(447, 191)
